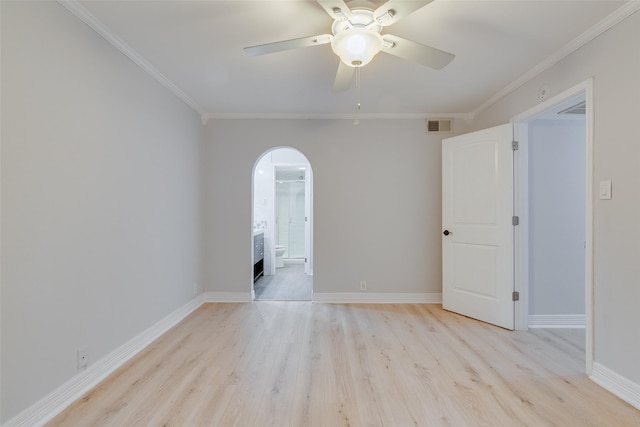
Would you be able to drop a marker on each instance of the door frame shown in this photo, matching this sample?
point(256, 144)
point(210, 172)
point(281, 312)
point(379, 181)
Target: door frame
point(521, 204)
point(270, 233)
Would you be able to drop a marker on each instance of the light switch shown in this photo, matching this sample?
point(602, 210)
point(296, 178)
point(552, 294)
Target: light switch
point(605, 190)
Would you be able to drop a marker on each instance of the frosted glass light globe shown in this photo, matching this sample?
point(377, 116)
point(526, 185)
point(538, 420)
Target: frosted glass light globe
point(357, 46)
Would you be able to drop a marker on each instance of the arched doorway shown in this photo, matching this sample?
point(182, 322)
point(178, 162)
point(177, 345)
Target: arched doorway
point(282, 218)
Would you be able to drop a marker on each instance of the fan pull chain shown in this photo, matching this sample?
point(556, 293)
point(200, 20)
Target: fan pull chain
point(356, 121)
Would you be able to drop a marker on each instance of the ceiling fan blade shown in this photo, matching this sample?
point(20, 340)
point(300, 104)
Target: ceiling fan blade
point(416, 52)
point(394, 10)
point(344, 76)
point(337, 9)
point(288, 44)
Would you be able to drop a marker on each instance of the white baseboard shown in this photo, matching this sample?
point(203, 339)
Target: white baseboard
point(557, 321)
point(55, 402)
point(338, 297)
point(226, 297)
point(378, 298)
point(617, 384)
point(51, 405)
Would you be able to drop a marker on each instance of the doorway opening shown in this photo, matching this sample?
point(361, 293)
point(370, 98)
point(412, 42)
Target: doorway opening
point(553, 185)
point(282, 221)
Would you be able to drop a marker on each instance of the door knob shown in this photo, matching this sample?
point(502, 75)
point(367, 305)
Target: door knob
point(447, 232)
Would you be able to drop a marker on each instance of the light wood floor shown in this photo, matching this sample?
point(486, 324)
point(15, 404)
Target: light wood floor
point(310, 364)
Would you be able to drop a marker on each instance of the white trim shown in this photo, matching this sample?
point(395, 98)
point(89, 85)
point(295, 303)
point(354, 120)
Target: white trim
point(522, 279)
point(622, 387)
point(543, 107)
point(378, 298)
point(331, 116)
point(226, 297)
point(521, 232)
point(588, 248)
point(85, 16)
point(614, 18)
point(55, 402)
point(557, 321)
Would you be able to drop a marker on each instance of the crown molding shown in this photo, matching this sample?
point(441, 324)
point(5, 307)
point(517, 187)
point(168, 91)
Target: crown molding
point(85, 16)
point(331, 116)
point(614, 18)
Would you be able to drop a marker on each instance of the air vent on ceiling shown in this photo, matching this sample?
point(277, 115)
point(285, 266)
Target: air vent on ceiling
point(439, 125)
point(579, 108)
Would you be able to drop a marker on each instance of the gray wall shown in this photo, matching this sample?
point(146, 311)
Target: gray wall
point(101, 197)
point(556, 216)
point(100, 200)
point(613, 59)
point(377, 192)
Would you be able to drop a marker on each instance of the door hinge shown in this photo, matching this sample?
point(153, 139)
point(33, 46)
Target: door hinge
point(515, 220)
point(515, 296)
point(515, 145)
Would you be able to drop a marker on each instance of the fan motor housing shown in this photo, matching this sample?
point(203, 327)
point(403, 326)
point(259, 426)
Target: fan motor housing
point(360, 18)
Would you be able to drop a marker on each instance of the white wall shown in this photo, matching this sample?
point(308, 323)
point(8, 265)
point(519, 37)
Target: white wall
point(100, 200)
point(613, 59)
point(287, 157)
point(263, 192)
point(556, 216)
point(377, 192)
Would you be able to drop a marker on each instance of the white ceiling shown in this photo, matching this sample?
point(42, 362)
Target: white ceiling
point(198, 47)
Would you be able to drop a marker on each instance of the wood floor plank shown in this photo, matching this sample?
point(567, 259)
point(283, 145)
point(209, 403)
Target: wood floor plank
point(310, 364)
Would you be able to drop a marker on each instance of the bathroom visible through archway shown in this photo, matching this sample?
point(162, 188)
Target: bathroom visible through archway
point(282, 226)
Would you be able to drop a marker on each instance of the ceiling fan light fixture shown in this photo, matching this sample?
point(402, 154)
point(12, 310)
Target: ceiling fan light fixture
point(356, 47)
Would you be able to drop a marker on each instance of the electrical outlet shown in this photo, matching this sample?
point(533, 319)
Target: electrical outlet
point(195, 289)
point(82, 358)
point(363, 285)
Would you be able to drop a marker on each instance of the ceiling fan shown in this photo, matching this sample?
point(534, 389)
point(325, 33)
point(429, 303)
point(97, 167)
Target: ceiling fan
point(356, 37)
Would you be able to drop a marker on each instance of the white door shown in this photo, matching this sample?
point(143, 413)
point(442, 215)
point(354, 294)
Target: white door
point(477, 240)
